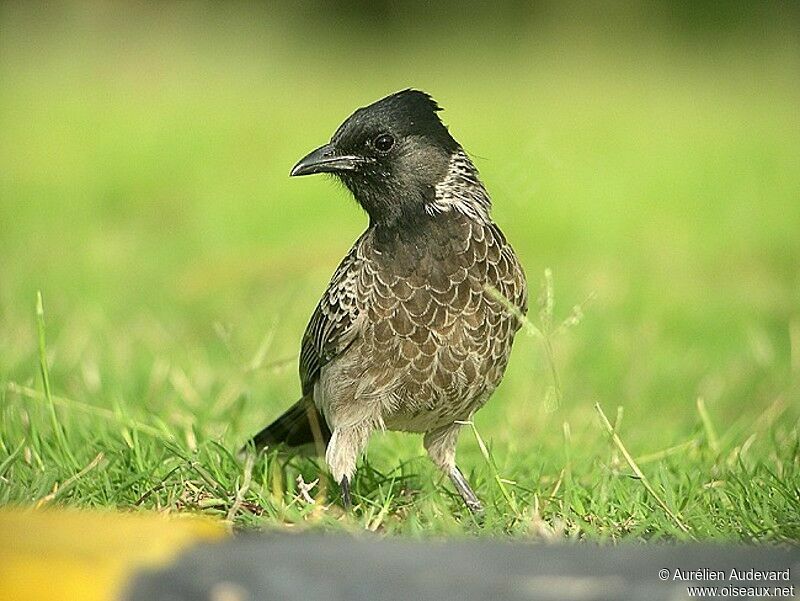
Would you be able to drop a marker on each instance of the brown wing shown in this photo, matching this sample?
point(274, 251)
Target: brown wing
point(333, 326)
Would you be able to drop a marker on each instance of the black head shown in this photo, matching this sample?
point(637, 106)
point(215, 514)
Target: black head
point(390, 154)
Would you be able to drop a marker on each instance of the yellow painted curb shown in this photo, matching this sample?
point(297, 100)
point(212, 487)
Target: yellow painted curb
point(88, 556)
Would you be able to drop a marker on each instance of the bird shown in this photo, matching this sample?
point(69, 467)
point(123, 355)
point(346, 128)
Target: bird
point(416, 326)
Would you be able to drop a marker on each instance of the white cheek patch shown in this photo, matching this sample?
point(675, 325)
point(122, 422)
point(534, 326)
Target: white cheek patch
point(461, 190)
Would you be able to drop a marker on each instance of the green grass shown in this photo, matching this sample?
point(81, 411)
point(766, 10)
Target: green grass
point(144, 192)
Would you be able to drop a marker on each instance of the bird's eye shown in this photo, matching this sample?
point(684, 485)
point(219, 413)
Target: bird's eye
point(384, 142)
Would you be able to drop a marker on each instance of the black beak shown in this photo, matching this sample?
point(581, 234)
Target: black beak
point(325, 159)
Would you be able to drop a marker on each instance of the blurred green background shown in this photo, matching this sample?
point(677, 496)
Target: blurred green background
point(647, 153)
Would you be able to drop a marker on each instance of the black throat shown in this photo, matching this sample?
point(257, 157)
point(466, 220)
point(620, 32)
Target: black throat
point(413, 235)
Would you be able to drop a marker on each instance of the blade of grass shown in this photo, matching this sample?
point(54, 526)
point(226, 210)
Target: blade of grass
point(639, 474)
point(650, 457)
point(10, 459)
point(89, 409)
point(708, 426)
point(70, 481)
point(241, 491)
point(527, 324)
point(495, 472)
point(45, 373)
point(543, 334)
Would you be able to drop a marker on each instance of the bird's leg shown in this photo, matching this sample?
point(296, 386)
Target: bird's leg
point(342, 453)
point(347, 501)
point(462, 486)
point(441, 447)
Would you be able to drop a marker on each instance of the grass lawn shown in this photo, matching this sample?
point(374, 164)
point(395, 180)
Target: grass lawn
point(144, 192)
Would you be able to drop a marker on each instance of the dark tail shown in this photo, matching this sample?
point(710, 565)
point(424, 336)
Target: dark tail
point(300, 426)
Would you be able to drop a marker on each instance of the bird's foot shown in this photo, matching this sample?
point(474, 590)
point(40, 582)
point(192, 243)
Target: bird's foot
point(462, 486)
point(347, 501)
